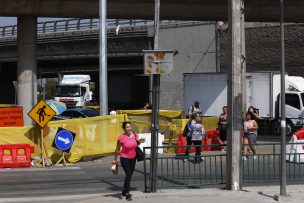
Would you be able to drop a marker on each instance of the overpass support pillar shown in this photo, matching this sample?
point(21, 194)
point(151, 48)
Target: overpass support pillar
point(27, 65)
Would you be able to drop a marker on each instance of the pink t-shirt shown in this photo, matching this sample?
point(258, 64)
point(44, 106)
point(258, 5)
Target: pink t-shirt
point(129, 145)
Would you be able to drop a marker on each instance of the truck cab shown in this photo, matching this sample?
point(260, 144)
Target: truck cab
point(294, 108)
point(74, 90)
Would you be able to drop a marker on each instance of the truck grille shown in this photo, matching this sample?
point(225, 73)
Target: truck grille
point(70, 104)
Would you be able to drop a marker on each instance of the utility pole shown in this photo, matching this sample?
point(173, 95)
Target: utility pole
point(235, 87)
point(283, 116)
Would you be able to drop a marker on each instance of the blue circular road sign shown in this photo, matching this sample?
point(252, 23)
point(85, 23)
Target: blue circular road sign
point(64, 140)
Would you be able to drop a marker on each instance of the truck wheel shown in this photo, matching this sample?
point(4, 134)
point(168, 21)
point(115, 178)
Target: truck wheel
point(289, 128)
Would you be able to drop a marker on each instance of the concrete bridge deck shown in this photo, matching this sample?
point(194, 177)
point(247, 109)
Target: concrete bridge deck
point(204, 10)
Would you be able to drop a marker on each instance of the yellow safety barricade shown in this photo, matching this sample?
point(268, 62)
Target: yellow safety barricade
point(94, 136)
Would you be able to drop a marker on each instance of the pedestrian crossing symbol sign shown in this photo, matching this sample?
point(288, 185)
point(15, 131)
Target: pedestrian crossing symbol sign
point(42, 113)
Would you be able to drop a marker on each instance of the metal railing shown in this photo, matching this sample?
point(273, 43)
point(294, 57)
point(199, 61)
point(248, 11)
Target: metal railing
point(75, 24)
point(174, 172)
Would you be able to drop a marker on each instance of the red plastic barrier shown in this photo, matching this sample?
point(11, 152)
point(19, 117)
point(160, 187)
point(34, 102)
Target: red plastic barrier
point(15, 155)
point(300, 134)
point(182, 142)
point(211, 138)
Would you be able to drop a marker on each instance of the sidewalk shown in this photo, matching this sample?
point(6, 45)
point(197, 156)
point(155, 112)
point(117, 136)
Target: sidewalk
point(210, 195)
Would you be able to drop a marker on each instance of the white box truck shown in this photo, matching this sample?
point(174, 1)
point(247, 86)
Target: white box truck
point(262, 91)
point(74, 90)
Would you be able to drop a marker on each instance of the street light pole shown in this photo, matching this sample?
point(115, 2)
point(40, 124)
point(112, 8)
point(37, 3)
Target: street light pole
point(283, 116)
point(103, 74)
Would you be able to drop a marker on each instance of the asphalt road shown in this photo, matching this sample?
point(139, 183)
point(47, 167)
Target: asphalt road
point(81, 178)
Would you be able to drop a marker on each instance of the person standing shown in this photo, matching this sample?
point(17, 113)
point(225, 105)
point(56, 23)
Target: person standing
point(198, 134)
point(126, 147)
point(256, 113)
point(188, 132)
point(194, 109)
point(250, 133)
point(222, 127)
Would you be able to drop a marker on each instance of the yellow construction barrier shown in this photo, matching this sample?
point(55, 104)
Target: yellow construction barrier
point(97, 135)
point(141, 119)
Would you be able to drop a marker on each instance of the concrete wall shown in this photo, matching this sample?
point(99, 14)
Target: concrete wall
point(263, 49)
point(196, 53)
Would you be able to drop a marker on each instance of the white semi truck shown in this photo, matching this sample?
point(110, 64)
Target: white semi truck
point(74, 90)
point(262, 91)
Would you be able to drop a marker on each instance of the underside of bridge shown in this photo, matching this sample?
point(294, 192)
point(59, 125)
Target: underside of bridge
point(124, 73)
point(203, 10)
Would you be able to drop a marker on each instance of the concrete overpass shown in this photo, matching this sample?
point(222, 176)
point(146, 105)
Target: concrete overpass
point(203, 10)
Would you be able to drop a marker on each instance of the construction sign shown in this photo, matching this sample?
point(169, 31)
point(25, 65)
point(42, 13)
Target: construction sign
point(11, 116)
point(42, 113)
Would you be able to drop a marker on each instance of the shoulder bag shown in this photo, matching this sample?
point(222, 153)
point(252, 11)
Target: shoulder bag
point(139, 153)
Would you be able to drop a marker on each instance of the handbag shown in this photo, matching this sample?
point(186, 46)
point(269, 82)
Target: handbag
point(140, 156)
point(114, 169)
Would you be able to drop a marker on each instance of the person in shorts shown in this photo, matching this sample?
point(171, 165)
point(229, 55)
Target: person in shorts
point(250, 128)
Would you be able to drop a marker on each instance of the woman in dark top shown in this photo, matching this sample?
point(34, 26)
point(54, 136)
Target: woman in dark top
point(222, 126)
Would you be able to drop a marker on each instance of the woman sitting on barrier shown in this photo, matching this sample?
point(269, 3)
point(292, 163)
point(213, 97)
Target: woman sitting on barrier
point(128, 141)
point(250, 133)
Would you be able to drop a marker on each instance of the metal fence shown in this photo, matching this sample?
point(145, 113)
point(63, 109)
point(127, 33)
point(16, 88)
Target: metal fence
point(174, 172)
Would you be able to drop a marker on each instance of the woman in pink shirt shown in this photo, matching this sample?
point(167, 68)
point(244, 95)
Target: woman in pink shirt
point(126, 146)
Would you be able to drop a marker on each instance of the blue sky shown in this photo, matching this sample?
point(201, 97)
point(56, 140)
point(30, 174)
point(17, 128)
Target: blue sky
point(8, 21)
point(13, 20)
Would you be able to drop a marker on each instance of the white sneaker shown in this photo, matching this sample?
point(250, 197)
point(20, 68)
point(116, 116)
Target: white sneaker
point(244, 158)
point(185, 160)
point(255, 157)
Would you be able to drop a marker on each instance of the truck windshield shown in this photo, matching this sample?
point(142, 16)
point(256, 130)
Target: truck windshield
point(69, 91)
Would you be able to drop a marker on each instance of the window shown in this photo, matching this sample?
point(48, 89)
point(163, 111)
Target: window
point(293, 100)
point(302, 97)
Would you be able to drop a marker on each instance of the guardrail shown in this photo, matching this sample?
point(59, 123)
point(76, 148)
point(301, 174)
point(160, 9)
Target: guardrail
point(174, 172)
point(70, 25)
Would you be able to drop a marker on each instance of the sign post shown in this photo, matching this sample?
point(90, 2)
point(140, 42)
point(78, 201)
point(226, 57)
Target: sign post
point(63, 141)
point(42, 114)
point(156, 62)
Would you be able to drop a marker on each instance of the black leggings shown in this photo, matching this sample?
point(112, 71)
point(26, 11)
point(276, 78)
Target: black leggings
point(197, 149)
point(128, 166)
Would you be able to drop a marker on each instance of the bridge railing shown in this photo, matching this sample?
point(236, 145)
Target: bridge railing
point(70, 25)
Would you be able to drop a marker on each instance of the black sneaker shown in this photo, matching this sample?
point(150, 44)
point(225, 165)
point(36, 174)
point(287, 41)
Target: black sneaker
point(128, 197)
point(123, 193)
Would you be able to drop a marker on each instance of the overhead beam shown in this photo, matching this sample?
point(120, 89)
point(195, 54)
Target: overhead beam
point(202, 10)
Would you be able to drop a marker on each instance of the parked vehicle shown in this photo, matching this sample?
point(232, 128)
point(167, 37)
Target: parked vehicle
point(78, 113)
point(262, 91)
point(74, 90)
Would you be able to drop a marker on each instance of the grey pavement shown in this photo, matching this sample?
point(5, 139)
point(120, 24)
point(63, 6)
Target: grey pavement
point(210, 195)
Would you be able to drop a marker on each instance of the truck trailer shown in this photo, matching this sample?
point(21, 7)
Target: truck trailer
point(262, 91)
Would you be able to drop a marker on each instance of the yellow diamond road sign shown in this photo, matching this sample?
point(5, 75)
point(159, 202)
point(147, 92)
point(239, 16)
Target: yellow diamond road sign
point(42, 113)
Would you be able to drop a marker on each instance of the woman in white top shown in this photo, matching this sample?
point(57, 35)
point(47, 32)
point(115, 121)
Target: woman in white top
point(250, 132)
point(197, 136)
